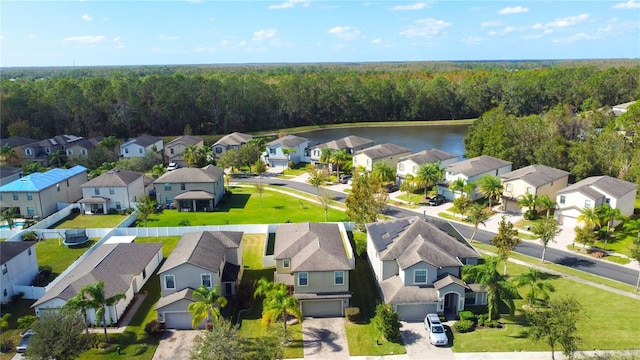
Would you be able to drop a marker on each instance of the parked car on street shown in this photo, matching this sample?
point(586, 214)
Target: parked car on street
point(437, 200)
point(391, 188)
point(344, 179)
point(24, 342)
point(437, 334)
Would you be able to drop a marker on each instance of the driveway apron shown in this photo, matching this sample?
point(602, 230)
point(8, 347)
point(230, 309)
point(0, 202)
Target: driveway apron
point(324, 338)
point(176, 344)
point(416, 341)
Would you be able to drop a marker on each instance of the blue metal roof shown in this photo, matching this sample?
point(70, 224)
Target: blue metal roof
point(39, 181)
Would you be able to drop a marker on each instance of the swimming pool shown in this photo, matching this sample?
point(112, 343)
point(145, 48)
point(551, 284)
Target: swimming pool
point(16, 225)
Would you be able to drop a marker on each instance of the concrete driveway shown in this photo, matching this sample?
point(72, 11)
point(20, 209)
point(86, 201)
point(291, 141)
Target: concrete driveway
point(324, 338)
point(176, 344)
point(416, 341)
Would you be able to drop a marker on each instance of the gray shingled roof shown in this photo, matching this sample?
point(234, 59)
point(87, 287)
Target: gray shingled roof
point(204, 249)
point(184, 140)
point(235, 138)
point(114, 264)
point(347, 142)
point(114, 177)
point(15, 141)
point(184, 294)
point(11, 249)
point(383, 150)
point(191, 175)
point(311, 247)
point(477, 165)
point(146, 140)
point(195, 195)
point(596, 185)
point(395, 292)
point(448, 280)
point(288, 141)
point(429, 156)
point(535, 175)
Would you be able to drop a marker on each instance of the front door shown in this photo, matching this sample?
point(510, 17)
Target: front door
point(451, 303)
point(228, 289)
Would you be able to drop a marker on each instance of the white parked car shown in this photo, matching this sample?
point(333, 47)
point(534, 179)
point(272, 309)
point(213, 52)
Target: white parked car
point(172, 166)
point(437, 334)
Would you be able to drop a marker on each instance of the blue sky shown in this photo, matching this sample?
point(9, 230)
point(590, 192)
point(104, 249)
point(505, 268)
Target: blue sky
point(85, 33)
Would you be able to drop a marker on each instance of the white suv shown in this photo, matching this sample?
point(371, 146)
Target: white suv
point(437, 334)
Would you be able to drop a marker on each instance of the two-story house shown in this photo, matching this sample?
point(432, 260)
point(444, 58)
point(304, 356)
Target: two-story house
point(173, 150)
point(472, 170)
point(230, 141)
point(314, 260)
point(191, 189)
point(115, 189)
point(537, 180)
point(289, 148)
point(19, 266)
point(593, 192)
point(418, 266)
point(387, 152)
point(38, 194)
point(82, 148)
point(41, 151)
point(141, 146)
point(204, 258)
point(350, 144)
point(410, 164)
point(15, 143)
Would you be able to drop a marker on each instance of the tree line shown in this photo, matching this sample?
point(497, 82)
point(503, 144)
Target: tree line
point(126, 102)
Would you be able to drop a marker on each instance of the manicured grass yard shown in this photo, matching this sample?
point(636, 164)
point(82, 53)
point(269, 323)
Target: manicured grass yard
point(90, 221)
point(52, 253)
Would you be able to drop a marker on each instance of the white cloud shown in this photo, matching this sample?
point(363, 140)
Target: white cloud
point(503, 31)
point(473, 40)
point(203, 48)
point(168, 37)
point(416, 6)
point(232, 45)
point(376, 41)
point(116, 39)
point(288, 4)
point(87, 39)
point(563, 22)
point(262, 35)
point(31, 36)
point(345, 32)
point(425, 28)
point(87, 17)
point(631, 4)
point(491, 23)
point(513, 10)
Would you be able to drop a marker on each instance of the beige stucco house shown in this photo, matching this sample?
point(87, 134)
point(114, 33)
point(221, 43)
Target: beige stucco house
point(387, 152)
point(350, 144)
point(472, 170)
point(191, 189)
point(537, 180)
point(410, 164)
point(174, 149)
point(115, 189)
point(230, 141)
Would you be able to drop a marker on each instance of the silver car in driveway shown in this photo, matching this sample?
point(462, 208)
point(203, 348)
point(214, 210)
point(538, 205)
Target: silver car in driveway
point(24, 342)
point(437, 334)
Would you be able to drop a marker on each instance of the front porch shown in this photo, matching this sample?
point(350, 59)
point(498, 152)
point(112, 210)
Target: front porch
point(196, 200)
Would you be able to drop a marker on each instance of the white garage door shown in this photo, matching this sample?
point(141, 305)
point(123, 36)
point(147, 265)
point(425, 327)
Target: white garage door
point(325, 308)
point(415, 312)
point(180, 321)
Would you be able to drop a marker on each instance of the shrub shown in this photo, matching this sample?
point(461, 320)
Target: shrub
point(482, 319)
point(352, 313)
point(597, 254)
point(30, 236)
point(463, 326)
point(75, 211)
point(45, 270)
point(361, 247)
point(387, 322)
point(531, 214)
point(184, 222)
point(112, 211)
point(153, 327)
point(467, 315)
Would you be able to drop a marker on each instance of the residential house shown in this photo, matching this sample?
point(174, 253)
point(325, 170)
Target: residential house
point(593, 192)
point(387, 152)
point(418, 264)
point(16, 143)
point(114, 190)
point(82, 148)
point(350, 144)
point(410, 164)
point(191, 189)
point(19, 266)
point(230, 141)
point(141, 146)
point(38, 194)
point(123, 267)
point(621, 108)
point(289, 148)
point(472, 170)
point(9, 174)
point(314, 260)
point(203, 258)
point(537, 180)
point(41, 151)
point(174, 149)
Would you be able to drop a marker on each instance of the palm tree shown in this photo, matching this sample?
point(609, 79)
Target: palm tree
point(590, 217)
point(110, 143)
point(158, 170)
point(609, 215)
point(207, 305)
point(203, 156)
point(287, 152)
point(145, 208)
point(57, 156)
point(279, 305)
point(326, 155)
point(189, 155)
point(99, 301)
point(81, 303)
point(530, 201)
point(428, 175)
point(8, 215)
point(499, 290)
point(491, 187)
point(476, 216)
point(537, 286)
point(260, 142)
point(469, 188)
point(383, 172)
point(339, 158)
point(546, 203)
point(458, 185)
point(264, 287)
point(8, 154)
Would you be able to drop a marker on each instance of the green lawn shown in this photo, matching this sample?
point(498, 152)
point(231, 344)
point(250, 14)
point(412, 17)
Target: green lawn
point(52, 253)
point(412, 198)
point(243, 207)
point(17, 309)
point(90, 221)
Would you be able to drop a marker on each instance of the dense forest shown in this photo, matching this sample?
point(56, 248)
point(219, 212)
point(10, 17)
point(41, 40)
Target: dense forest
point(162, 101)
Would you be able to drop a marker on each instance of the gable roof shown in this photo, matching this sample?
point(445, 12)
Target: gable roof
point(311, 247)
point(412, 240)
point(536, 175)
point(184, 140)
point(204, 249)
point(114, 177)
point(429, 156)
point(235, 138)
point(347, 142)
point(288, 141)
point(6, 171)
point(477, 165)
point(594, 186)
point(88, 143)
point(16, 141)
point(114, 264)
point(11, 249)
point(191, 175)
point(41, 181)
point(382, 150)
point(143, 140)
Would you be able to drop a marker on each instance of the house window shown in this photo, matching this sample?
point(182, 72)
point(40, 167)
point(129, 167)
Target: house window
point(96, 191)
point(401, 167)
point(607, 200)
point(4, 268)
point(169, 282)
point(303, 279)
point(338, 278)
point(47, 150)
point(182, 186)
point(83, 151)
point(112, 191)
point(31, 210)
point(469, 298)
point(563, 199)
point(529, 190)
point(285, 263)
point(15, 196)
point(4, 292)
point(126, 150)
point(118, 205)
point(58, 187)
point(140, 150)
point(69, 152)
point(507, 187)
point(144, 273)
point(218, 150)
point(420, 276)
point(167, 187)
point(587, 203)
point(205, 280)
point(29, 196)
point(272, 151)
point(29, 251)
point(28, 152)
point(171, 151)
